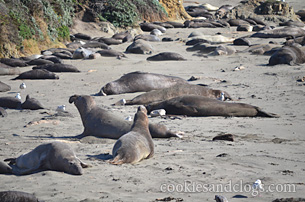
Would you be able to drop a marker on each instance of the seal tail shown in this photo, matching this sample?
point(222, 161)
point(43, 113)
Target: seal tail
point(261, 113)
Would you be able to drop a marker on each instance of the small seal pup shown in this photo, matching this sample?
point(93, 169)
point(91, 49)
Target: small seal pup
point(193, 105)
point(135, 145)
point(57, 156)
point(99, 122)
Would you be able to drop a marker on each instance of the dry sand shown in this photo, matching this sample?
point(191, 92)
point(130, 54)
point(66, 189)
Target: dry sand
point(271, 150)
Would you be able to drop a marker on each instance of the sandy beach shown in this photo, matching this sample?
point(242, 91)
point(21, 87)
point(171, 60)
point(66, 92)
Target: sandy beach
point(193, 168)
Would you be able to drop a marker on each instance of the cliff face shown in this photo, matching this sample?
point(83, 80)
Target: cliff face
point(29, 25)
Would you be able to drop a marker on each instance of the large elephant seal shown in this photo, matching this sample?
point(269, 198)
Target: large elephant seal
point(10, 102)
point(57, 156)
point(17, 196)
point(194, 105)
point(280, 33)
point(175, 91)
point(135, 145)
point(58, 67)
point(139, 82)
point(101, 123)
point(37, 74)
point(8, 70)
point(291, 55)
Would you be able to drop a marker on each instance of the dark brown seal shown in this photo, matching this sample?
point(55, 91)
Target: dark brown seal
point(10, 102)
point(166, 56)
point(37, 74)
point(31, 103)
point(17, 196)
point(135, 145)
point(175, 91)
point(59, 67)
point(102, 123)
point(291, 55)
point(194, 105)
point(5, 168)
point(139, 82)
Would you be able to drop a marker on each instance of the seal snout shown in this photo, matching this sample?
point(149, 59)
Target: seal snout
point(142, 109)
point(73, 98)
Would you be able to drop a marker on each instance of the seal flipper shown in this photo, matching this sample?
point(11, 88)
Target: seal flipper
point(261, 113)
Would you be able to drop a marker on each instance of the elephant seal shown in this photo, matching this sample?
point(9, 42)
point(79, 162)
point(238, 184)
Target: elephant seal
point(175, 91)
point(40, 61)
point(8, 70)
point(82, 36)
point(110, 53)
point(10, 102)
point(31, 103)
point(194, 105)
point(4, 87)
point(37, 74)
point(56, 156)
point(110, 41)
point(291, 55)
point(147, 37)
point(59, 67)
point(5, 169)
point(280, 33)
point(148, 27)
point(166, 56)
point(95, 44)
point(99, 122)
point(139, 47)
point(81, 53)
point(13, 62)
point(135, 145)
point(139, 82)
point(17, 196)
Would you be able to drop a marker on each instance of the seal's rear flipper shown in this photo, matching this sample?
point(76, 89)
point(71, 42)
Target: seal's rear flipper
point(12, 161)
point(261, 113)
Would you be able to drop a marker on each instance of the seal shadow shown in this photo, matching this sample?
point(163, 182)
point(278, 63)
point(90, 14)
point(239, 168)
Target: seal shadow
point(104, 157)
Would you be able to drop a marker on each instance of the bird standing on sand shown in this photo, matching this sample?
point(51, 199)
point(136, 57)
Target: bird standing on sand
point(61, 108)
point(22, 86)
point(18, 96)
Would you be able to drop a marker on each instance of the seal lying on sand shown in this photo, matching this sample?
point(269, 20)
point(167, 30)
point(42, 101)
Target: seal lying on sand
point(166, 56)
point(8, 70)
point(57, 156)
point(17, 196)
point(31, 103)
point(59, 67)
point(4, 87)
point(175, 91)
point(136, 144)
point(291, 55)
point(139, 82)
point(101, 123)
point(280, 33)
point(10, 102)
point(194, 105)
point(37, 74)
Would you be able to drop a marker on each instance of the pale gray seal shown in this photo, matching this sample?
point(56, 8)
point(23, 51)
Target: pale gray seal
point(139, 82)
point(99, 122)
point(175, 91)
point(135, 145)
point(37, 74)
point(194, 105)
point(166, 56)
point(280, 33)
point(110, 53)
point(139, 47)
point(291, 55)
point(17, 196)
point(56, 156)
point(8, 70)
point(4, 87)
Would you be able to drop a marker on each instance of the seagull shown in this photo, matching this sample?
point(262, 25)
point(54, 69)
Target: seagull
point(22, 86)
point(18, 96)
point(222, 97)
point(61, 108)
point(258, 184)
point(128, 118)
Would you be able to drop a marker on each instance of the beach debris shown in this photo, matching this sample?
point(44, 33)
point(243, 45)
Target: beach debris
point(169, 199)
point(18, 96)
point(33, 123)
point(61, 108)
point(222, 97)
point(3, 112)
point(158, 112)
point(226, 137)
point(22, 86)
point(220, 198)
point(222, 155)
